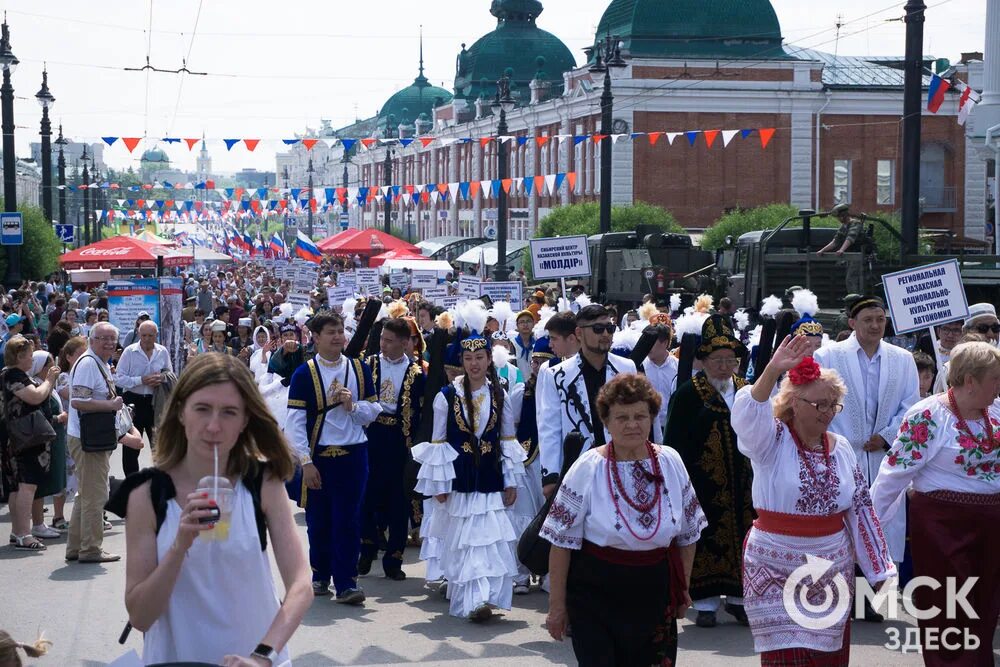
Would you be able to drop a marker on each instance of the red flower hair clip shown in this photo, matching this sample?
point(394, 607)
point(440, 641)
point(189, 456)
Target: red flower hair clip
point(807, 371)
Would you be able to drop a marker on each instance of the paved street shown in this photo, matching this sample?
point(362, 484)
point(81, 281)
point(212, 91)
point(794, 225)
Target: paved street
point(81, 608)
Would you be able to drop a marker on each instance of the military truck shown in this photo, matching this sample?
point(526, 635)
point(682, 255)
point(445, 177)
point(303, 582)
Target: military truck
point(625, 266)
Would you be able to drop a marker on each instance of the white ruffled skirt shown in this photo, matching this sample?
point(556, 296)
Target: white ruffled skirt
point(529, 501)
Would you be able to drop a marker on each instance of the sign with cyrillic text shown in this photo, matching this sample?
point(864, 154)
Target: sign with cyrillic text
point(925, 296)
point(560, 257)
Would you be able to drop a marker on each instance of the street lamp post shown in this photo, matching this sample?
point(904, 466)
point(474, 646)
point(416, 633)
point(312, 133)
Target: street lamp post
point(47, 101)
point(61, 166)
point(387, 172)
point(608, 57)
point(346, 160)
point(9, 63)
point(86, 197)
point(503, 103)
point(309, 201)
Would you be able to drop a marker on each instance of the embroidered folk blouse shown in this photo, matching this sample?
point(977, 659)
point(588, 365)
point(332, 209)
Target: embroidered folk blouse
point(584, 509)
point(782, 481)
point(933, 455)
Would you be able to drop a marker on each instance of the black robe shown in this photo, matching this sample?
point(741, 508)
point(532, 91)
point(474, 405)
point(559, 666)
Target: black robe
point(699, 428)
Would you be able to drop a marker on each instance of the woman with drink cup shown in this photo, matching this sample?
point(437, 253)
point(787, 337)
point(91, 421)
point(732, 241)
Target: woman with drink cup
point(217, 444)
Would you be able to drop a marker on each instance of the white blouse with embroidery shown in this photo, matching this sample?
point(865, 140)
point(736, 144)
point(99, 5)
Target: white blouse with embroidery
point(933, 455)
point(788, 482)
point(584, 508)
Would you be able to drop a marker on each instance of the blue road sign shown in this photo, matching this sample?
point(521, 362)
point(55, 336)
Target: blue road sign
point(65, 233)
point(11, 229)
point(345, 221)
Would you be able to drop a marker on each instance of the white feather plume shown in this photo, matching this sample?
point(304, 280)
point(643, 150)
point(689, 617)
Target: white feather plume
point(348, 306)
point(625, 339)
point(770, 306)
point(754, 338)
point(741, 319)
point(805, 303)
point(383, 313)
point(564, 305)
point(583, 301)
point(689, 324)
point(303, 315)
point(285, 311)
point(473, 315)
point(500, 356)
point(675, 303)
point(503, 313)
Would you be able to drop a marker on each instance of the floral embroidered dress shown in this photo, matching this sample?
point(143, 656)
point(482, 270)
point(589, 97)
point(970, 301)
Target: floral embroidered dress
point(789, 481)
point(469, 539)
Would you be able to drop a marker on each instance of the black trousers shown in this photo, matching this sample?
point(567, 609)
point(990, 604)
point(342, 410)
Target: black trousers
point(142, 419)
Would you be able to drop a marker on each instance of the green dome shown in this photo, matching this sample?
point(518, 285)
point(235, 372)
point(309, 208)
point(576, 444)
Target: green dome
point(516, 43)
point(694, 28)
point(155, 155)
point(418, 98)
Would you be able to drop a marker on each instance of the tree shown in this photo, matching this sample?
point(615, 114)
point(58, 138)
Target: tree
point(41, 249)
point(577, 219)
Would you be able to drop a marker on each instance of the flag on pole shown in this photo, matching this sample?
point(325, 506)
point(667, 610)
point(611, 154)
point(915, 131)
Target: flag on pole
point(966, 103)
point(305, 249)
point(278, 245)
point(935, 93)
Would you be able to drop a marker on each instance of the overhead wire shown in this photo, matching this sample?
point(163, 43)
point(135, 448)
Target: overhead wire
point(187, 59)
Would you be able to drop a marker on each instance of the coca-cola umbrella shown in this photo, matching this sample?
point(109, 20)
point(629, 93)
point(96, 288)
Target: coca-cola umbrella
point(123, 252)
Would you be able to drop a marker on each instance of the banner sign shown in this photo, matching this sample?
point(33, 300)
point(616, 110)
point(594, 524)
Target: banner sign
point(336, 296)
point(449, 302)
point(504, 291)
point(436, 293)
point(128, 298)
point(347, 279)
point(468, 286)
point(560, 257)
point(423, 280)
point(368, 280)
point(171, 323)
point(399, 279)
point(925, 296)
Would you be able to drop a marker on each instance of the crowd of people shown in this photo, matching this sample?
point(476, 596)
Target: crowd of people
point(669, 457)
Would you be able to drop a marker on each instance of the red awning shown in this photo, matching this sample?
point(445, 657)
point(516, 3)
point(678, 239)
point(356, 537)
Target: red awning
point(365, 242)
point(336, 239)
point(123, 252)
point(379, 260)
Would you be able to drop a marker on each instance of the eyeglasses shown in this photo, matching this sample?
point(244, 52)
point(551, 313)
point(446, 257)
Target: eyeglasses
point(723, 363)
point(987, 328)
point(950, 331)
point(599, 329)
point(106, 339)
point(825, 406)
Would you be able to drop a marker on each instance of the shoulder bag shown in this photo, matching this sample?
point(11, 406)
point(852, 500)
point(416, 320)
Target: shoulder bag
point(98, 430)
point(30, 433)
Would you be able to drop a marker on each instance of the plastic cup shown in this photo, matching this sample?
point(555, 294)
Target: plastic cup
point(221, 491)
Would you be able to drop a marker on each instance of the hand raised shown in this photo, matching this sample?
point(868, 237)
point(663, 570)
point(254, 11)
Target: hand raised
point(789, 354)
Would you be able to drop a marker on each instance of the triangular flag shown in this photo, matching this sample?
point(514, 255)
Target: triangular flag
point(191, 143)
point(453, 189)
point(441, 187)
point(522, 141)
point(405, 142)
point(727, 136)
point(745, 133)
point(463, 189)
point(710, 136)
point(474, 189)
point(289, 142)
point(484, 141)
point(230, 143)
point(131, 142)
point(528, 186)
point(110, 140)
point(571, 181)
point(598, 138)
point(765, 136)
point(692, 136)
point(348, 144)
point(309, 143)
point(426, 141)
point(550, 183)
point(539, 185)
point(671, 136)
point(654, 137)
point(615, 138)
point(541, 141)
point(367, 143)
point(495, 187)
point(578, 139)
point(251, 144)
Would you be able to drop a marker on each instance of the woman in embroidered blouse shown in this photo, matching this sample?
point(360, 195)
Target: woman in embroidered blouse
point(619, 509)
point(948, 451)
point(811, 500)
point(470, 467)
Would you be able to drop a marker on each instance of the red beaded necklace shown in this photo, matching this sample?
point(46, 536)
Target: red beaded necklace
point(617, 488)
point(808, 463)
point(962, 426)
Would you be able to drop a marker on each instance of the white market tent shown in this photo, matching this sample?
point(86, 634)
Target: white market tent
point(441, 267)
point(489, 252)
point(202, 254)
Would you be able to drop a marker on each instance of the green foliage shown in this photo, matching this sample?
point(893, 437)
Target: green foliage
point(577, 219)
point(41, 249)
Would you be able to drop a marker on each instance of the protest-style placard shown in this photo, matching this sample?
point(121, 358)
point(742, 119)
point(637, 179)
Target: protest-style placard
point(347, 279)
point(925, 296)
point(399, 279)
point(468, 286)
point(560, 257)
point(423, 280)
point(368, 280)
point(504, 291)
point(335, 296)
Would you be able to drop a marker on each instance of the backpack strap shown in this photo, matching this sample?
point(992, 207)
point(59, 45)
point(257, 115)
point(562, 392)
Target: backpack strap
point(161, 490)
point(253, 483)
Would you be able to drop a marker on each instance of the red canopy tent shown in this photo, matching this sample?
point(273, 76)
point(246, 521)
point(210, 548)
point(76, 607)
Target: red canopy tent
point(365, 242)
point(379, 260)
point(123, 252)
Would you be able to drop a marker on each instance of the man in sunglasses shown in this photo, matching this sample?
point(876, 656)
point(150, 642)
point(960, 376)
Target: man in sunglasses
point(567, 392)
point(983, 320)
point(882, 383)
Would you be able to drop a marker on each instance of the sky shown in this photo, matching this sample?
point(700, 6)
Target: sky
point(276, 68)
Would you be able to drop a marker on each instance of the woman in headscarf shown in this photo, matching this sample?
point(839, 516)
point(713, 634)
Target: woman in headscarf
point(261, 355)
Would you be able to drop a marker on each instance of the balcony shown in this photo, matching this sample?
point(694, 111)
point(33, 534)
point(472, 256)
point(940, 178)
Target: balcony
point(938, 198)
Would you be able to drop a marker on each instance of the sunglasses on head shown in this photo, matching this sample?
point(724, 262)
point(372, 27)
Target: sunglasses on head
point(986, 328)
point(599, 328)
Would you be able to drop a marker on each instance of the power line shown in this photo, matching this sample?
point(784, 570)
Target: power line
point(187, 58)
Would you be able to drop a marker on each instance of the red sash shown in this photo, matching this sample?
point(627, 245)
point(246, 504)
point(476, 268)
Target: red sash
point(799, 525)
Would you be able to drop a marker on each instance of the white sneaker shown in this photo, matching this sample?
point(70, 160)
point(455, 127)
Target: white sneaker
point(43, 531)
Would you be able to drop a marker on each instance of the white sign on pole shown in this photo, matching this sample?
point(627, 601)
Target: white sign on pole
point(449, 302)
point(335, 296)
point(436, 293)
point(399, 279)
point(468, 286)
point(368, 279)
point(560, 257)
point(925, 296)
point(347, 279)
point(504, 291)
point(423, 280)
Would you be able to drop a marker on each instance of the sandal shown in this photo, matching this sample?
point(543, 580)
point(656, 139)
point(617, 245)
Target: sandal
point(21, 542)
point(60, 524)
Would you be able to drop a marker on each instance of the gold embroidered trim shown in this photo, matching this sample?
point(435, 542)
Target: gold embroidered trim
point(333, 453)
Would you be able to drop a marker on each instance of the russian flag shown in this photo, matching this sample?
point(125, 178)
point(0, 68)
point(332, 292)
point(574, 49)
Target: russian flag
point(935, 93)
point(305, 249)
point(277, 245)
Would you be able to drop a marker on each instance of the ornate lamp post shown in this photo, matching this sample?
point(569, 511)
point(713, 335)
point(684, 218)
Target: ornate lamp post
point(61, 166)
point(503, 104)
point(390, 133)
point(47, 101)
point(345, 160)
point(86, 197)
point(9, 62)
point(309, 212)
point(608, 57)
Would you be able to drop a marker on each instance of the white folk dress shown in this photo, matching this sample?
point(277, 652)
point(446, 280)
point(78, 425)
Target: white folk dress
point(584, 509)
point(224, 599)
point(529, 486)
point(782, 482)
point(469, 539)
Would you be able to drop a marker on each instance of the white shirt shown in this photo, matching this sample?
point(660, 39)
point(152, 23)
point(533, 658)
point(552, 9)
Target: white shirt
point(664, 378)
point(340, 427)
point(88, 383)
point(391, 380)
point(870, 371)
point(134, 364)
point(583, 508)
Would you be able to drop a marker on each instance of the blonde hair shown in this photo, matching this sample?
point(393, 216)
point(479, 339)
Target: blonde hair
point(782, 402)
point(973, 360)
point(261, 442)
point(8, 649)
point(16, 346)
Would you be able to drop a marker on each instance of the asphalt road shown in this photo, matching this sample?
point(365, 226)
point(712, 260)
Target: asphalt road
point(81, 609)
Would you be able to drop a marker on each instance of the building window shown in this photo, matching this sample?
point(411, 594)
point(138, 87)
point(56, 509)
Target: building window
point(886, 183)
point(841, 181)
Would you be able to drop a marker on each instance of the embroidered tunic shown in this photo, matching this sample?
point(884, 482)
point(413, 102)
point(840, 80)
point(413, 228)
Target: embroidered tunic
point(931, 454)
point(782, 482)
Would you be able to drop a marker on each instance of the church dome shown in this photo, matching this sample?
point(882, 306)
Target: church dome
point(155, 156)
point(418, 98)
point(518, 44)
point(694, 28)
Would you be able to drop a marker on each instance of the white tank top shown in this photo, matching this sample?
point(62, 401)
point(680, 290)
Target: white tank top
point(224, 600)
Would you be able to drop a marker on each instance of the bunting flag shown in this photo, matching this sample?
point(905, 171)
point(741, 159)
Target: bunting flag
point(967, 102)
point(935, 93)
